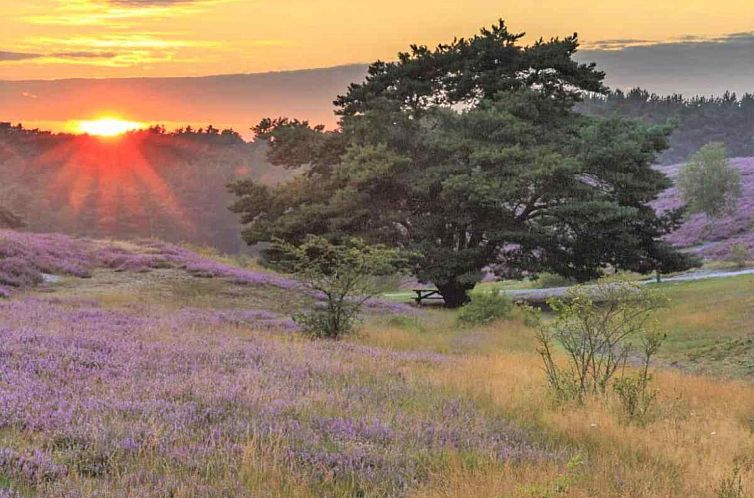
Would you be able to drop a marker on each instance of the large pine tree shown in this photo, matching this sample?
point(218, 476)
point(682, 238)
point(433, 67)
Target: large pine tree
point(472, 156)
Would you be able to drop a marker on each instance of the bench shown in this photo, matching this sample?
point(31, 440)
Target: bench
point(430, 294)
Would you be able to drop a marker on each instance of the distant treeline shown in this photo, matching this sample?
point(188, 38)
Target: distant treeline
point(699, 120)
point(151, 183)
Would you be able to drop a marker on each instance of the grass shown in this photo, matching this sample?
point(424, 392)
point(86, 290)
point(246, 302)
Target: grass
point(701, 429)
point(710, 325)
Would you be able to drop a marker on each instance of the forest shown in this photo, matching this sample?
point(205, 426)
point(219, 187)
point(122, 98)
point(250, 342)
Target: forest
point(697, 120)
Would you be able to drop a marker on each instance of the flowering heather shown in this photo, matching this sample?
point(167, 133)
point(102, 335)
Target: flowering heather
point(128, 402)
point(24, 257)
point(713, 238)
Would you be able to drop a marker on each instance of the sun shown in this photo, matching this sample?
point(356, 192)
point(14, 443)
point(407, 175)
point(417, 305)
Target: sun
point(107, 127)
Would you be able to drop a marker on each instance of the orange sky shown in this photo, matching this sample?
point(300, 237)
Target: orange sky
point(50, 39)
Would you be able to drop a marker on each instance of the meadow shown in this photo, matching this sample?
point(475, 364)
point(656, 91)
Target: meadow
point(146, 369)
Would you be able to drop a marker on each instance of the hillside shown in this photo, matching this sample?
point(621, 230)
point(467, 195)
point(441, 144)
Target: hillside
point(145, 184)
point(713, 238)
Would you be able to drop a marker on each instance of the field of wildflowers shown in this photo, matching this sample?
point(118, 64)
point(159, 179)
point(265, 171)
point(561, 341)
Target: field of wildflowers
point(104, 402)
point(144, 400)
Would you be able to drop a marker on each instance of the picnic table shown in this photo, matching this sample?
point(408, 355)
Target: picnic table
point(422, 294)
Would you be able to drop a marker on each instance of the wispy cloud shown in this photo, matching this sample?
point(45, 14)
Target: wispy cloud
point(625, 43)
point(17, 56)
point(124, 41)
point(117, 13)
point(149, 3)
point(617, 44)
point(80, 54)
point(85, 55)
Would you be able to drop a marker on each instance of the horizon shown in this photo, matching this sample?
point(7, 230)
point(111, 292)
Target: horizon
point(268, 93)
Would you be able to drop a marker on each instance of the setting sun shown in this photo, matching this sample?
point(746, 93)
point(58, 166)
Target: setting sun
point(107, 127)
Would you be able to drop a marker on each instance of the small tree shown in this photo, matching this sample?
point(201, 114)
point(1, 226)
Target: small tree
point(595, 325)
point(708, 184)
point(344, 274)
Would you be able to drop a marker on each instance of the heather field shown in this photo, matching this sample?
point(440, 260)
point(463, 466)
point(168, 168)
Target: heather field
point(713, 238)
point(148, 370)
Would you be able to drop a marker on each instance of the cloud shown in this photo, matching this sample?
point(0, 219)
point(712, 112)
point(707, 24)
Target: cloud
point(79, 54)
point(84, 55)
point(148, 3)
point(691, 65)
point(616, 44)
point(17, 56)
point(116, 13)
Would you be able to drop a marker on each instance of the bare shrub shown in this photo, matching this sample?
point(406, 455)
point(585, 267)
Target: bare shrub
point(597, 326)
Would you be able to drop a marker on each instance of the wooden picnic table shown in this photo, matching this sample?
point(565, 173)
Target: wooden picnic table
point(422, 294)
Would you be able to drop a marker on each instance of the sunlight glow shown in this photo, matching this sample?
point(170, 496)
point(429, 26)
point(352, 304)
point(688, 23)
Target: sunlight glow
point(108, 127)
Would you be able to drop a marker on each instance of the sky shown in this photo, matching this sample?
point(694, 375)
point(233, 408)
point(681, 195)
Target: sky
point(50, 39)
point(693, 46)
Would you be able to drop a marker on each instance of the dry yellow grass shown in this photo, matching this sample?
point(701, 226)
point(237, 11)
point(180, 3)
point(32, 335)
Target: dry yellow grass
point(515, 480)
point(702, 428)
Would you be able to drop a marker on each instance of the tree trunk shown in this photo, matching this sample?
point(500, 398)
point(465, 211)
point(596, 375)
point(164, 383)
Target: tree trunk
point(454, 294)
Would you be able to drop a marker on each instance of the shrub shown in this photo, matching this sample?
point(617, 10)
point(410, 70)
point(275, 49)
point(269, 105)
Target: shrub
point(595, 326)
point(739, 255)
point(634, 393)
point(342, 274)
point(485, 307)
point(331, 321)
point(545, 280)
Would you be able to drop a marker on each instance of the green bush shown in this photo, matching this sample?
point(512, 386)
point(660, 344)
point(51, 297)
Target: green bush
point(547, 280)
point(485, 307)
point(341, 274)
point(739, 255)
point(597, 327)
point(328, 322)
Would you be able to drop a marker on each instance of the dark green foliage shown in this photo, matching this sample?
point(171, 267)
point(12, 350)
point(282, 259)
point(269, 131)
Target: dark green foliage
point(341, 273)
point(485, 307)
point(516, 180)
point(708, 184)
point(727, 119)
